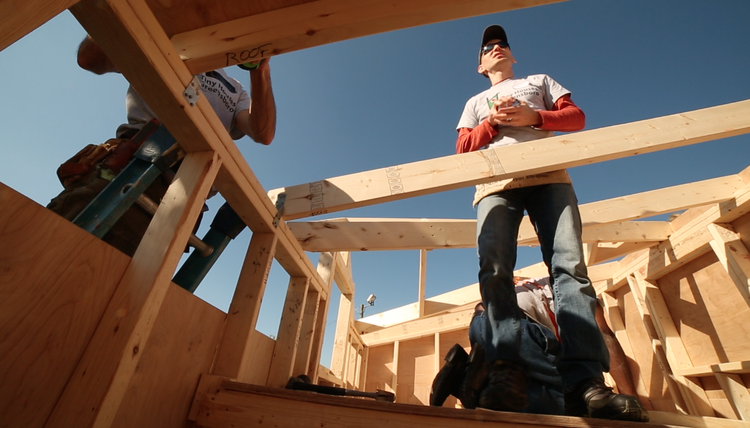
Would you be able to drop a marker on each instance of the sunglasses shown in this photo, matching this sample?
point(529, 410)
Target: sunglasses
point(489, 47)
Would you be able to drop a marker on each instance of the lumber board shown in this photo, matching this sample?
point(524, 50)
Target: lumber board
point(677, 357)
point(605, 220)
point(694, 399)
point(130, 34)
point(662, 388)
point(315, 23)
point(737, 394)
point(52, 300)
point(20, 17)
point(340, 339)
point(735, 367)
point(420, 328)
point(251, 405)
point(234, 358)
point(733, 255)
point(326, 271)
point(99, 382)
point(422, 281)
point(343, 276)
point(307, 332)
point(292, 316)
point(461, 170)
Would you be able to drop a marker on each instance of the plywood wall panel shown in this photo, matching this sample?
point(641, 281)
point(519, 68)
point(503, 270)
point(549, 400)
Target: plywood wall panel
point(380, 369)
point(55, 282)
point(180, 348)
point(700, 296)
point(416, 370)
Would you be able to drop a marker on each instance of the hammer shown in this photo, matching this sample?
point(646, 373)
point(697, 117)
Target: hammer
point(301, 384)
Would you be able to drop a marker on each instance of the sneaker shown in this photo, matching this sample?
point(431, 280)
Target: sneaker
point(475, 378)
point(594, 399)
point(506, 389)
point(449, 378)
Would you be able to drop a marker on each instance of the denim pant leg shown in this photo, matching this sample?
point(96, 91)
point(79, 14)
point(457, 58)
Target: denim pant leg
point(539, 349)
point(553, 209)
point(498, 218)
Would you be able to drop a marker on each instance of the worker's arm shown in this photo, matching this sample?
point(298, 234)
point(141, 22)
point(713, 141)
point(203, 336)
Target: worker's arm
point(618, 363)
point(259, 123)
point(565, 116)
point(92, 58)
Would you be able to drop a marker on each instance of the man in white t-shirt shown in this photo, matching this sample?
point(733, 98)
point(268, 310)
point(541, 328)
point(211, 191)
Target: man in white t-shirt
point(515, 110)
point(241, 114)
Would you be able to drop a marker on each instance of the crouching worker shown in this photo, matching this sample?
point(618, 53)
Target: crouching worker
point(87, 173)
point(465, 376)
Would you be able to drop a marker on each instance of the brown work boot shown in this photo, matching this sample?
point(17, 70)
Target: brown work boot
point(448, 379)
point(506, 388)
point(594, 399)
point(475, 379)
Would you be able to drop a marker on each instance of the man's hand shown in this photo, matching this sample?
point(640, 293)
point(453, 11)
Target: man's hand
point(507, 111)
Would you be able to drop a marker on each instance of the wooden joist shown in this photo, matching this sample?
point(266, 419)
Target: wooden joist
point(604, 221)
point(314, 23)
point(566, 151)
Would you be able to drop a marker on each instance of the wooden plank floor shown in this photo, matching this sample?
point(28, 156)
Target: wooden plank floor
point(233, 404)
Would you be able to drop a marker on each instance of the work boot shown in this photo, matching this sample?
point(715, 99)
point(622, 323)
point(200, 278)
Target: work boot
point(594, 399)
point(475, 379)
point(506, 389)
point(449, 377)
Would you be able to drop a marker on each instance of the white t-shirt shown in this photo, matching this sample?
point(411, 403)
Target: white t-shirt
point(225, 94)
point(535, 299)
point(539, 91)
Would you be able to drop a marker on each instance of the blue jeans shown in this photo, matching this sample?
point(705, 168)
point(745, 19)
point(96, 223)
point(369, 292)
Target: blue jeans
point(539, 351)
point(553, 210)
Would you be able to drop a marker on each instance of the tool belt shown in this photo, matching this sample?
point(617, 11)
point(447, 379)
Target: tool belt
point(113, 155)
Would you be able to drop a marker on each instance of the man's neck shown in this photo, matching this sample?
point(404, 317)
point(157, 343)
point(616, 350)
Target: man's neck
point(499, 76)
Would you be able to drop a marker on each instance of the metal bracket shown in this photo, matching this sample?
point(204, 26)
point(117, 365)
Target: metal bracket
point(192, 91)
point(280, 199)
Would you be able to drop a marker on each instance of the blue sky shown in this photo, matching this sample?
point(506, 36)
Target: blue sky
point(396, 97)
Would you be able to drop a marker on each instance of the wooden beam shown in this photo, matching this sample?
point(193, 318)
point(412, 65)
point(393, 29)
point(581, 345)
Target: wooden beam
point(133, 39)
point(20, 17)
point(326, 268)
point(420, 328)
point(307, 333)
point(462, 170)
point(344, 272)
point(234, 404)
point(605, 220)
point(736, 393)
point(236, 350)
point(735, 367)
point(422, 281)
point(319, 22)
point(606, 252)
point(292, 316)
point(101, 378)
point(340, 340)
point(733, 255)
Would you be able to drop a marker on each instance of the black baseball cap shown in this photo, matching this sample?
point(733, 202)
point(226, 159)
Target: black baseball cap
point(490, 33)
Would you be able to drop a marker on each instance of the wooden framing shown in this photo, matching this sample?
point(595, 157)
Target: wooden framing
point(128, 343)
